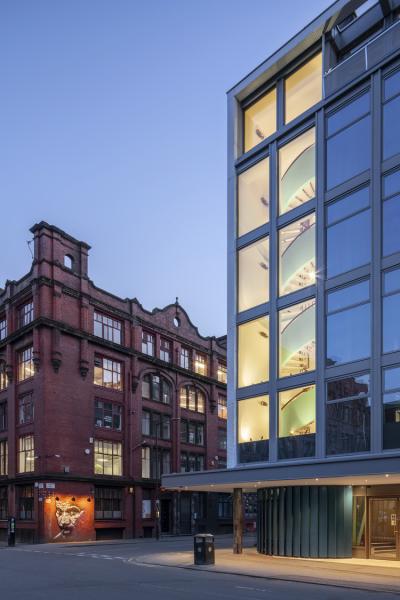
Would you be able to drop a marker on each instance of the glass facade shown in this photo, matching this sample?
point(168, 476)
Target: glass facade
point(297, 255)
point(253, 352)
point(260, 120)
point(297, 171)
point(318, 271)
point(303, 88)
point(253, 197)
point(253, 274)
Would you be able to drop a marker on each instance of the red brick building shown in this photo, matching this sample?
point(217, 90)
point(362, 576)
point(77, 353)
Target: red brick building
point(98, 398)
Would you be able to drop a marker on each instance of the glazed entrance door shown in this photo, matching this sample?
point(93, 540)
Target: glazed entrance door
point(384, 521)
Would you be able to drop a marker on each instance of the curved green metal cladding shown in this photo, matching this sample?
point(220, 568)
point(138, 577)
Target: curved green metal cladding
point(296, 256)
point(298, 333)
point(305, 521)
point(297, 413)
point(297, 177)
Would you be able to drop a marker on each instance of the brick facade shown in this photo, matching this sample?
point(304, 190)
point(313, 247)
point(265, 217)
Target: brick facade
point(59, 496)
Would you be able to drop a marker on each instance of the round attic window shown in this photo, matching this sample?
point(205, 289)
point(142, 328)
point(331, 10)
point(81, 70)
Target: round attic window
point(177, 321)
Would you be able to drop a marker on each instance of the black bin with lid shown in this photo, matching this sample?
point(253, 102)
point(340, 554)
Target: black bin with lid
point(204, 551)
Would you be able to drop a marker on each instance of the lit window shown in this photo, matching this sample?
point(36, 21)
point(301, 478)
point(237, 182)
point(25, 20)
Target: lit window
point(260, 120)
point(192, 398)
point(297, 339)
point(222, 407)
point(107, 457)
point(297, 255)
point(253, 352)
point(348, 324)
point(3, 457)
point(348, 243)
point(348, 415)
point(3, 329)
point(253, 429)
point(303, 88)
point(297, 422)
point(26, 454)
point(184, 358)
point(222, 373)
point(107, 373)
point(253, 197)
point(165, 350)
point(297, 172)
point(3, 376)
point(25, 314)
point(26, 409)
point(25, 364)
point(147, 343)
point(253, 275)
point(200, 363)
point(107, 328)
point(107, 415)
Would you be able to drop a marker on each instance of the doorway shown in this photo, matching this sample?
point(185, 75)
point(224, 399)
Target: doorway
point(166, 514)
point(383, 528)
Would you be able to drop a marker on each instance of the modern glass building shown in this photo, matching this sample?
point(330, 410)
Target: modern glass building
point(314, 288)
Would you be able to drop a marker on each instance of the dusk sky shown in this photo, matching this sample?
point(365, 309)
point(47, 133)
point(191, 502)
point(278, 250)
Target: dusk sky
point(113, 128)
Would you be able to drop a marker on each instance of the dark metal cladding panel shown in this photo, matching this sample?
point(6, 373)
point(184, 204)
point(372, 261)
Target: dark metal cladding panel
point(282, 521)
point(383, 46)
point(305, 522)
point(345, 72)
point(323, 522)
point(332, 525)
point(289, 522)
point(296, 521)
point(275, 501)
point(314, 510)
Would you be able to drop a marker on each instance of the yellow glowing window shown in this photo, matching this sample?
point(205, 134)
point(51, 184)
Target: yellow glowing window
point(253, 419)
point(303, 88)
point(253, 352)
point(260, 120)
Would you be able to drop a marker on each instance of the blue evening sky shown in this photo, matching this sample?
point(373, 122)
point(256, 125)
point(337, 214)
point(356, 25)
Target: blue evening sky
point(113, 128)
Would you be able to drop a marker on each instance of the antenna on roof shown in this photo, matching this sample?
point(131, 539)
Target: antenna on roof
point(29, 242)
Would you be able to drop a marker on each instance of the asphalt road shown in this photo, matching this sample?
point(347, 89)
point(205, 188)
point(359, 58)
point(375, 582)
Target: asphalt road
point(114, 572)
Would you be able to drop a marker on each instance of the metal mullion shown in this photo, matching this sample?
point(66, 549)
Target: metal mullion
point(273, 316)
point(376, 278)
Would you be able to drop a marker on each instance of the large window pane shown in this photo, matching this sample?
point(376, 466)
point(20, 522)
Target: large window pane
point(349, 152)
point(297, 171)
point(348, 415)
point(391, 408)
point(297, 255)
point(253, 197)
point(260, 120)
point(391, 225)
point(253, 275)
point(348, 296)
point(391, 85)
point(348, 240)
point(297, 422)
point(348, 113)
point(253, 352)
point(349, 335)
point(303, 88)
point(391, 323)
point(391, 137)
point(297, 339)
point(253, 428)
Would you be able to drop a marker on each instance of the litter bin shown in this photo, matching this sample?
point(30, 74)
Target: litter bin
point(204, 553)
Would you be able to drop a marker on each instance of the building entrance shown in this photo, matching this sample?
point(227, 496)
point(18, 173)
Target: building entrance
point(384, 521)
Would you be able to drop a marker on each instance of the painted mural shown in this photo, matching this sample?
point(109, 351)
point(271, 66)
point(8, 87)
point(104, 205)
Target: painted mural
point(68, 518)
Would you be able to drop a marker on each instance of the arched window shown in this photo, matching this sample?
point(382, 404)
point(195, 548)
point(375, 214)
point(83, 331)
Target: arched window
point(192, 398)
point(156, 388)
point(68, 261)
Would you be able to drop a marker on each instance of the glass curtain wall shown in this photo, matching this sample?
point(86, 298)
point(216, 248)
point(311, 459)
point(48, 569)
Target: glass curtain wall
point(253, 197)
point(303, 88)
point(297, 339)
point(253, 275)
point(253, 428)
point(297, 422)
point(297, 255)
point(297, 171)
point(260, 120)
point(253, 352)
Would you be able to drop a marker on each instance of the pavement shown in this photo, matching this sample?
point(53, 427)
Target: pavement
point(150, 569)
